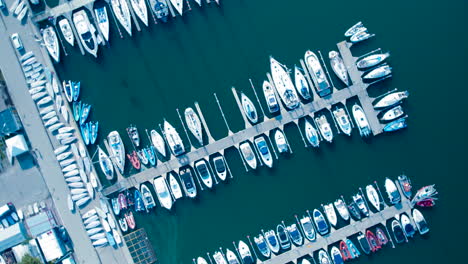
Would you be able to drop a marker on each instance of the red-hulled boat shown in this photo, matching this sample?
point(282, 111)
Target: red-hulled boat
point(426, 203)
point(122, 201)
point(130, 220)
point(133, 157)
point(381, 237)
point(373, 241)
point(345, 251)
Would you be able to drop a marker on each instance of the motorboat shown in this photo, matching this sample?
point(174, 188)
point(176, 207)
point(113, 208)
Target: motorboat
point(204, 172)
point(372, 60)
point(173, 139)
point(93, 127)
point(361, 121)
point(398, 231)
point(83, 28)
point(321, 83)
point(130, 220)
point(354, 29)
point(420, 222)
point(219, 164)
point(188, 184)
point(194, 124)
point(201, 260)
point(123, 224)
point(178, 5)
point(339, 67)
point(396, 125)
point(76, 109)
point(295, 234)
point(148, 199)
point(117, 150)
point(342, 119)
point(381, 236)
point(122, 199)
point(390, 99)
point(283, 237)
point(102, 21)
point(426, 192)
point(51, 42)
point(85, 109)
point(352, 249)
point(308, 228)
point(392, 113)
point(336, 255)
point(160, 9)
point(134, 160)
point(218, 258)
point(150, 155)
point(408, 227)
point(174, 186)
point(139, 204)
point(311, 134)
point(244, 252)
point(231, 257)
point(373, 196)
point(262, 246)
point(323, 257)
point(142, 156)
point(301, 84)
point(264, 151)
point(270, 97)
point(272, 241)
point(324, 128)
point(342, 209)
point(360, 36)
point(66, 30)
point(330, 213)
point(378, 72)
point(162, 192)
point(249, 109)
point(354, 211)
point(248, 154)
point(139, 7)
point(105, 164)
point(366, 248)
point(320, 223)
point(134, 136)
point(85, 133)
point(361, 204)
point(392, 191)
point(373, 241)
point(305, 261)
point(405, 184)
point(158, 142)
point(281, 143)
point(283, 84)
point(122, 13)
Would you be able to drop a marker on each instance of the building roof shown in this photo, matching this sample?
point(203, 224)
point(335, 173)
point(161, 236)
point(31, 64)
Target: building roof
point(39, 224)
point(16, 146)
point(51, 246)
point(12, 236)
point(9, 122)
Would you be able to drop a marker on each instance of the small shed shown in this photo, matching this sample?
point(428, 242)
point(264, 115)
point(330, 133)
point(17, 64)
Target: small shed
point(16, 146)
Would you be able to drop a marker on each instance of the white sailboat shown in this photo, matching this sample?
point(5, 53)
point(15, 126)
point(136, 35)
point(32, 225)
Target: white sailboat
point(173, 139)
point(67, 31)
point(117, 150)
point(83, 27)
point(51, 42)
point(158, 142)
point(301, 84)
point(178, 5)
point(283, 84)
point(175, 186)
point(103, 21)
point(122, 13)
point(140, 9)
point(162, 192)
point(338, 66)
point(249, 109)
point(194, 124)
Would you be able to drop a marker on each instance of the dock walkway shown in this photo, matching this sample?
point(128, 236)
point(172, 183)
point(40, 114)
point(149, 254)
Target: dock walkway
point(358, 89)
point(63, 8)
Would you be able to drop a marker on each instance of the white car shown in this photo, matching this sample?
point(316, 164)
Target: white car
point(16, 41)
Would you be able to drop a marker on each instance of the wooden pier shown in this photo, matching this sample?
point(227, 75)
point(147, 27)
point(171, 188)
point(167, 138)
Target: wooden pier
point(357, 89)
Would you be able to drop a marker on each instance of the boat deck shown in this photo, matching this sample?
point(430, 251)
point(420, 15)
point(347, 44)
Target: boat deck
point(358, 89)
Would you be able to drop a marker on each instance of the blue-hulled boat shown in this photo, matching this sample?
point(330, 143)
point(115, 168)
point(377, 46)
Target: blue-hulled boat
point(94, 126)
point(85, 109)
point(85, 132)
point(76, 90)
point(77, 111)
point(396, 125)
point(320, 223)
point(352, 249)
point(150, 155)
point(139, 204)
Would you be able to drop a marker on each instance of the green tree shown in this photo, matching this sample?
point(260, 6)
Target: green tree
point(28, 259)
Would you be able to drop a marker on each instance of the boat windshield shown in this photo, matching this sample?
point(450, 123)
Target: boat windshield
point(219, 165)
point(272, 240)
point(187, 180)
point(203, 170)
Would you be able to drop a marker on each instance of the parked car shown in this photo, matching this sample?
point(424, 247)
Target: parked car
point(16, 41)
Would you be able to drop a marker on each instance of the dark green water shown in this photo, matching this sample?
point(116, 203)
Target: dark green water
point(143, 79)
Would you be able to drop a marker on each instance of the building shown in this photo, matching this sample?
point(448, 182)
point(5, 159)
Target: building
point(12, 236)
point(51, 246)
point(9, 122)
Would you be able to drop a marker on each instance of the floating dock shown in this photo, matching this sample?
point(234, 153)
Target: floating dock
point(63, 8)
point(357, 89)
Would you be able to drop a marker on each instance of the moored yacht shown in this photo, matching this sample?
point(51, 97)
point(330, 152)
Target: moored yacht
point(320, 223)
point(301, 84)
point(360, 36)
point(308, 228)
point(264, 151)
point(174, 186)
point(148, 199)
point(338, 66)
point(106, 164)
point(231, 257)
point(160, 9)
point(398, 231)
point(324, 258)
point(122, 13)
point(372, 60)
point(117, 150)
point(83, 27)
point(396, 125)
point(248, 154)
point(262, 246)
point(330, 213)
point(201, 260)
point(249, 109)
point(342, 119)
point(420, 222)
point(218, 257)
point(378, 72)
point(51, 42)
point(319, 78)
point(342, 209)
point(204, 172)
point(103, 21)
point(364, 243)
point(281, 143)
point(373, 196)
point(158, 142)
point(408, 227)
point(67, 32)
point(194, 124)
point(324, 127)
point(220, 168)
point(134, 136)
point(392, 191)
point(272, 241)
point(336, 255)
point(361, 121)
point(139, 7)
point(390, 99)
point(178, 5)
point(188, 184)
point(295, 234)
point(283, 237)
point(283, 84)
point(311, 134)
point(361, 204)
point(173, 139)
point(354, 29)
point(162, 192)
point(244, 252)
point(392, 113)
point(270, 97)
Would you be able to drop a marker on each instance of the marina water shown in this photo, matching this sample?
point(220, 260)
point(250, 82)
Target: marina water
point(143, 79)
